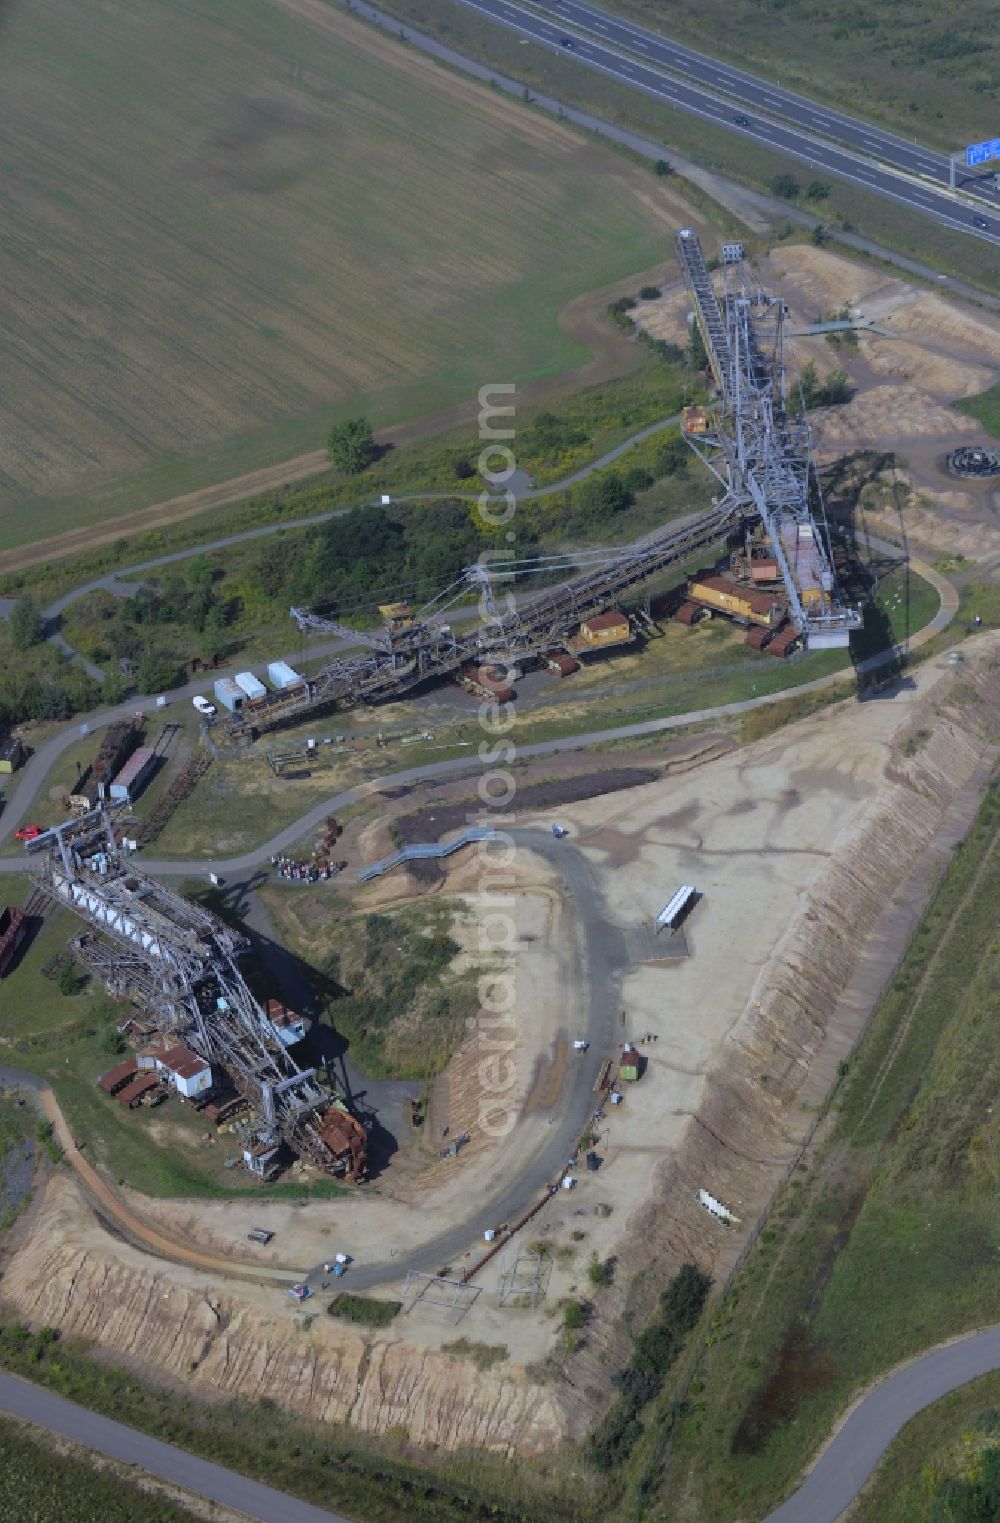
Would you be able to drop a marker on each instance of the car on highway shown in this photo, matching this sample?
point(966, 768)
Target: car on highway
point(29, 833)
point(982, 223)
point(203, 706)
point(739, 120)
point(566, 42)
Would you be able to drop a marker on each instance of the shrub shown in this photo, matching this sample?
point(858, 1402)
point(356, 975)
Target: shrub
point(598, 1272)
point(785, 185)
point(649, 293)
point(573, 1315)
point(364, 1309)
point(653, 1353)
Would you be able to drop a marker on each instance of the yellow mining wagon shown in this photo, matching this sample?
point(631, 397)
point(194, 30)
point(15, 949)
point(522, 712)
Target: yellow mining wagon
point(746, 604)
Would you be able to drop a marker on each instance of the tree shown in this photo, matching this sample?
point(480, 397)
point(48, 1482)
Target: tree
point(154, 672)
point(598, 1272)
point(662, 168)
point(649, 293)
point(820, 235)
point(25, 624)
point(809, 381)
point(603, 495)
point(699, 354)
point(673, 456)
point(837, 388)
point(817, 190)
point(68, 980)
point(351, 446)
point(786, 186)
point(573, 1315)
point(113, 688)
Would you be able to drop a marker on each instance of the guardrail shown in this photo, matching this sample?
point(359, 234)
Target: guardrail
point(428, 852)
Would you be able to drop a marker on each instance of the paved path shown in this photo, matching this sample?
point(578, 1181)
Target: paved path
point(176, 1466)
point(45, 758)
point(600, 955)
point(832, 1484)
point(127, 580)
point(858, 1445)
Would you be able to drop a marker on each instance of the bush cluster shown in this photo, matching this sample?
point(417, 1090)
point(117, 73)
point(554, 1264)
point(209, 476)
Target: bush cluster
point(654, 1351)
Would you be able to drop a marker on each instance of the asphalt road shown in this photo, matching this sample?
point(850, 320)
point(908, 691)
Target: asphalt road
point(176, 1466)
point(601, 956)
point(640, 59)
point(832, 1484)
point(856, 1448)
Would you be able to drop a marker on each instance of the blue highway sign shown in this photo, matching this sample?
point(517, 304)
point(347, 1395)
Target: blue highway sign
point(982, 153)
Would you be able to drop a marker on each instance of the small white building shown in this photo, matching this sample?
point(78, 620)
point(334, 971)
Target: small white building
point(250, 685)
point(675, 910)
point(191, 1075)
point(286, 1027)
point(282, 676)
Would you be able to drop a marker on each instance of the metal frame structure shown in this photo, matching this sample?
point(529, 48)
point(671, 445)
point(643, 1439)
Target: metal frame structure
point(523, 1274)
point(178, 962)
point(427, 648)
point(759, 449)
point(759, 453)
point(458, 1298)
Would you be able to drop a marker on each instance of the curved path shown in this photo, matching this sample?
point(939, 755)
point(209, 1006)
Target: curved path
point(832, 1484)
point(127, 579)
point(860, 1442)
point(601, 956)
point(176, 1466)
point(47, 755)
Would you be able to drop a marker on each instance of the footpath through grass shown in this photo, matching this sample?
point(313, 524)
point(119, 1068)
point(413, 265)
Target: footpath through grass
point(887, 1244)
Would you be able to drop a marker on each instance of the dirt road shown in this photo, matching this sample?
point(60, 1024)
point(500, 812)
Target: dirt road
point(133, 1226)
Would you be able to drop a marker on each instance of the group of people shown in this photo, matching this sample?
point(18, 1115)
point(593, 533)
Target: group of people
point(305, 872)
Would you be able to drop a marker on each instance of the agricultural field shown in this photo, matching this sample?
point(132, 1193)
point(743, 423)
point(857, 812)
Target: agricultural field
point(297, 275)
point(737, 160)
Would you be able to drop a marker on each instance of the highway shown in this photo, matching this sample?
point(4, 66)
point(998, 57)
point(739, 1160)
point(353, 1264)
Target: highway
point(776, 118)
point(748, 90)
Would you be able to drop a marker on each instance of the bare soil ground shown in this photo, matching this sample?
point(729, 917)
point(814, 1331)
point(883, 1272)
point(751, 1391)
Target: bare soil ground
point(796, 843)
point(938, 352)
